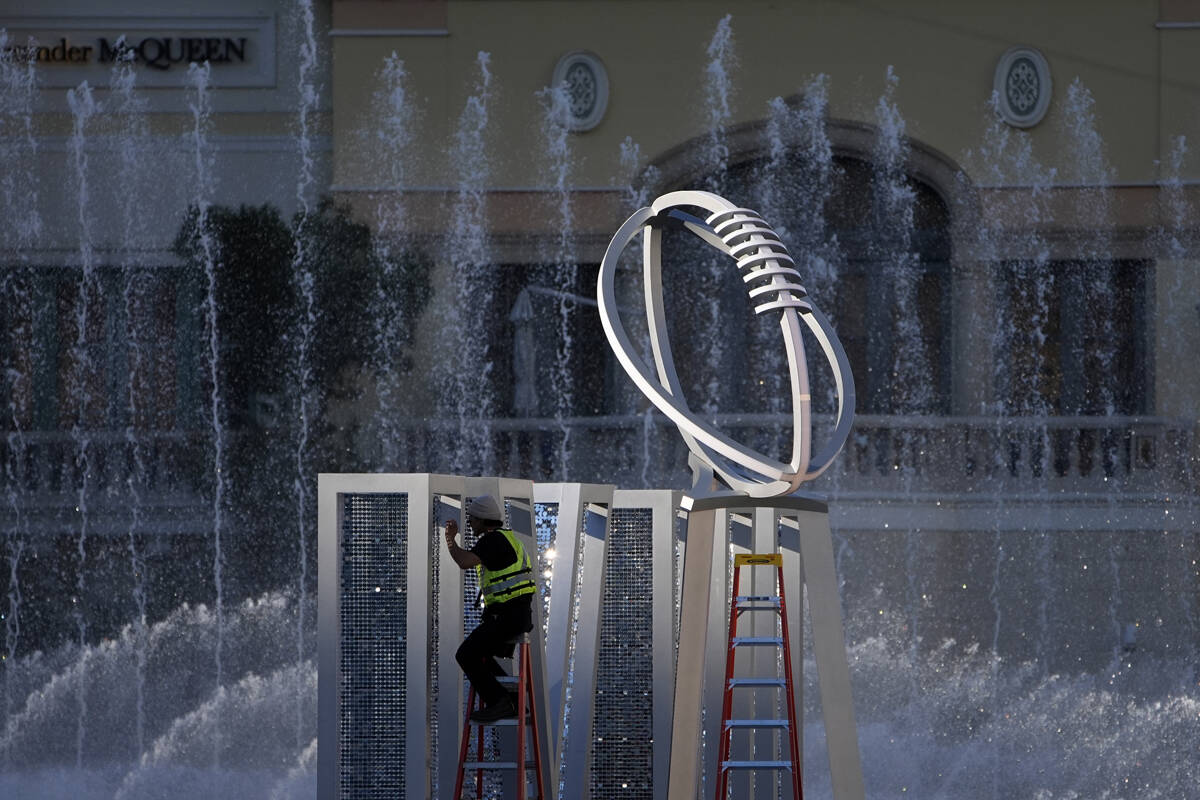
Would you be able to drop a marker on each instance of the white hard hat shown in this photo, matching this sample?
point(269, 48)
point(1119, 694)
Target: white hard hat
point(485, 507)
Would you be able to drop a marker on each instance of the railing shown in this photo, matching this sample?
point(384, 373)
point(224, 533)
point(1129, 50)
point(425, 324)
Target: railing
point(887, 457)
point(165, 473)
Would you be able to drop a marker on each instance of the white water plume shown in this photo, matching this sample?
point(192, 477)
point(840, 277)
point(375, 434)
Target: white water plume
point(470, 291)
point(83, 108)
point(386, 140)
point(19, 209)
point(559, 164)
point(200, 105)
point(306, 392)
point(718, 108)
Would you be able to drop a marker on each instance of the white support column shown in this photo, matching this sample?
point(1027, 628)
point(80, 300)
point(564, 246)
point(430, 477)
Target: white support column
point(663, 506)
point(693, 628)
point(578, 741)
point(793, 586)
point(449, 613)
point(577, 577)
point(426, 521)
point(419, 589)
point(829, 650)
point(329, 632)
point(810, 553)
point(562, 581)
point(714, 652)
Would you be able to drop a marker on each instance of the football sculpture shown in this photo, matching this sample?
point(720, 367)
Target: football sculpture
point(772, 280)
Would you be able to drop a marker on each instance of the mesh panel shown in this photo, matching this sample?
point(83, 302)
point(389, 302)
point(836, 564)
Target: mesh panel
point(436, 544)
point(373, 605)
point(623, 749)
point(545, 523)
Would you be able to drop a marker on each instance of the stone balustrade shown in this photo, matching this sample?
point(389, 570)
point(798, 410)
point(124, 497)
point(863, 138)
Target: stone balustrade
point(1131, 462)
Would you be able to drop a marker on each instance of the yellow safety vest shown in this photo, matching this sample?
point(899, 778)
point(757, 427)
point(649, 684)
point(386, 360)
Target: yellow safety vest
point(515, 580)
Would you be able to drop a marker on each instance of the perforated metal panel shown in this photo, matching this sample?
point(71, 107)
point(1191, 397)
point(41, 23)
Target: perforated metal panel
point(622, 751)
point(435, 652)
point(545, 520)
point(372, 649)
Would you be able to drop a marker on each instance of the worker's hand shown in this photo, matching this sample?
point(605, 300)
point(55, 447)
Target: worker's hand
point(451, 530)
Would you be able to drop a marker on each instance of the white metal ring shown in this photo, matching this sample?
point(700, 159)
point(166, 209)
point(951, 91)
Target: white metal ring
point(745, 236)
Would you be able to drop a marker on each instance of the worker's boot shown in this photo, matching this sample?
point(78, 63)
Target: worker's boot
point(504, 708)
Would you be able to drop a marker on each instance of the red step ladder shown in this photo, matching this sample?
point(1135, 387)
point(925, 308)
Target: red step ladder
point(738, 605)
point(526, 718)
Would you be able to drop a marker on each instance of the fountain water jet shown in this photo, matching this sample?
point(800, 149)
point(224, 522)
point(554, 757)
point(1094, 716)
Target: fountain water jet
point(1178, 213)
point(388, 140)
point(19, 199)
point(719, 92)
point(635, 195)
point(555, 130)
point(131, 145)
point(200, 107)
point(891, 251)
point(1090, 169)
point(795, 184)
point(1024, 286)
point(472, 268)
point(83, 107)
point(302, 367)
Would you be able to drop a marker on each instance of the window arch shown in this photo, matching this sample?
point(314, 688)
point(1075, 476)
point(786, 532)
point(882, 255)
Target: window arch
point(885, 282)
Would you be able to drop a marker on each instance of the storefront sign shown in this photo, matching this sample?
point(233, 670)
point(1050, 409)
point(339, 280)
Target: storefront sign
point(67, 51)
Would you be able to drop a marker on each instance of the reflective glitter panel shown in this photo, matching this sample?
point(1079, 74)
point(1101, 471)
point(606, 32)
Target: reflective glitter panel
point(373, 616)
point(622, 750)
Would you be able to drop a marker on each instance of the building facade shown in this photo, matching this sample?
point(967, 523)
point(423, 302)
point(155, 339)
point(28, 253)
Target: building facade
point(996, 203)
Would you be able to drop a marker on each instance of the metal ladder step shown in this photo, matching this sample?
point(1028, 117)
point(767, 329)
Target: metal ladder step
point(756, 723)
point(510, 722)
point(756, 765)
point(757, 598)
point(753, 641)
point(495, 765)
point(776, 682)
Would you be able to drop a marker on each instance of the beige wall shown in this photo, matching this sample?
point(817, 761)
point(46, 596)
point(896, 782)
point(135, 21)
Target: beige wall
point(1143, 78)
point(1140, 61)
point(253, 133)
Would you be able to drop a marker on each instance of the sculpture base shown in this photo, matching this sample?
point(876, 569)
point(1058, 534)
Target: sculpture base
point(797, 526)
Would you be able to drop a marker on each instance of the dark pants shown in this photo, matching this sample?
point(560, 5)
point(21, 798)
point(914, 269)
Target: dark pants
point(495, 636)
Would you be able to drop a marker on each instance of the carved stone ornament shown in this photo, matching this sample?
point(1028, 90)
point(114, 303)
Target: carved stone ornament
point(586, 81)
point(1023, 87)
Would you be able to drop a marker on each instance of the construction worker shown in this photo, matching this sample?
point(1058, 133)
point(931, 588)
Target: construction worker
point(507, 586)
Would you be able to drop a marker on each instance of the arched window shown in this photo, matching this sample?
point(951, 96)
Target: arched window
point(874, 253)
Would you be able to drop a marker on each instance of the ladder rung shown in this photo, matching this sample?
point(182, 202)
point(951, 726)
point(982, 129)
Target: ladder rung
point(495, 765)
point(756, 598)
point(780, 682)
point(507, 679)
point(500, 723)
point(758, 560)
point(741, 641)
point(750, 607)
point(756, 765)
point(756, 723)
